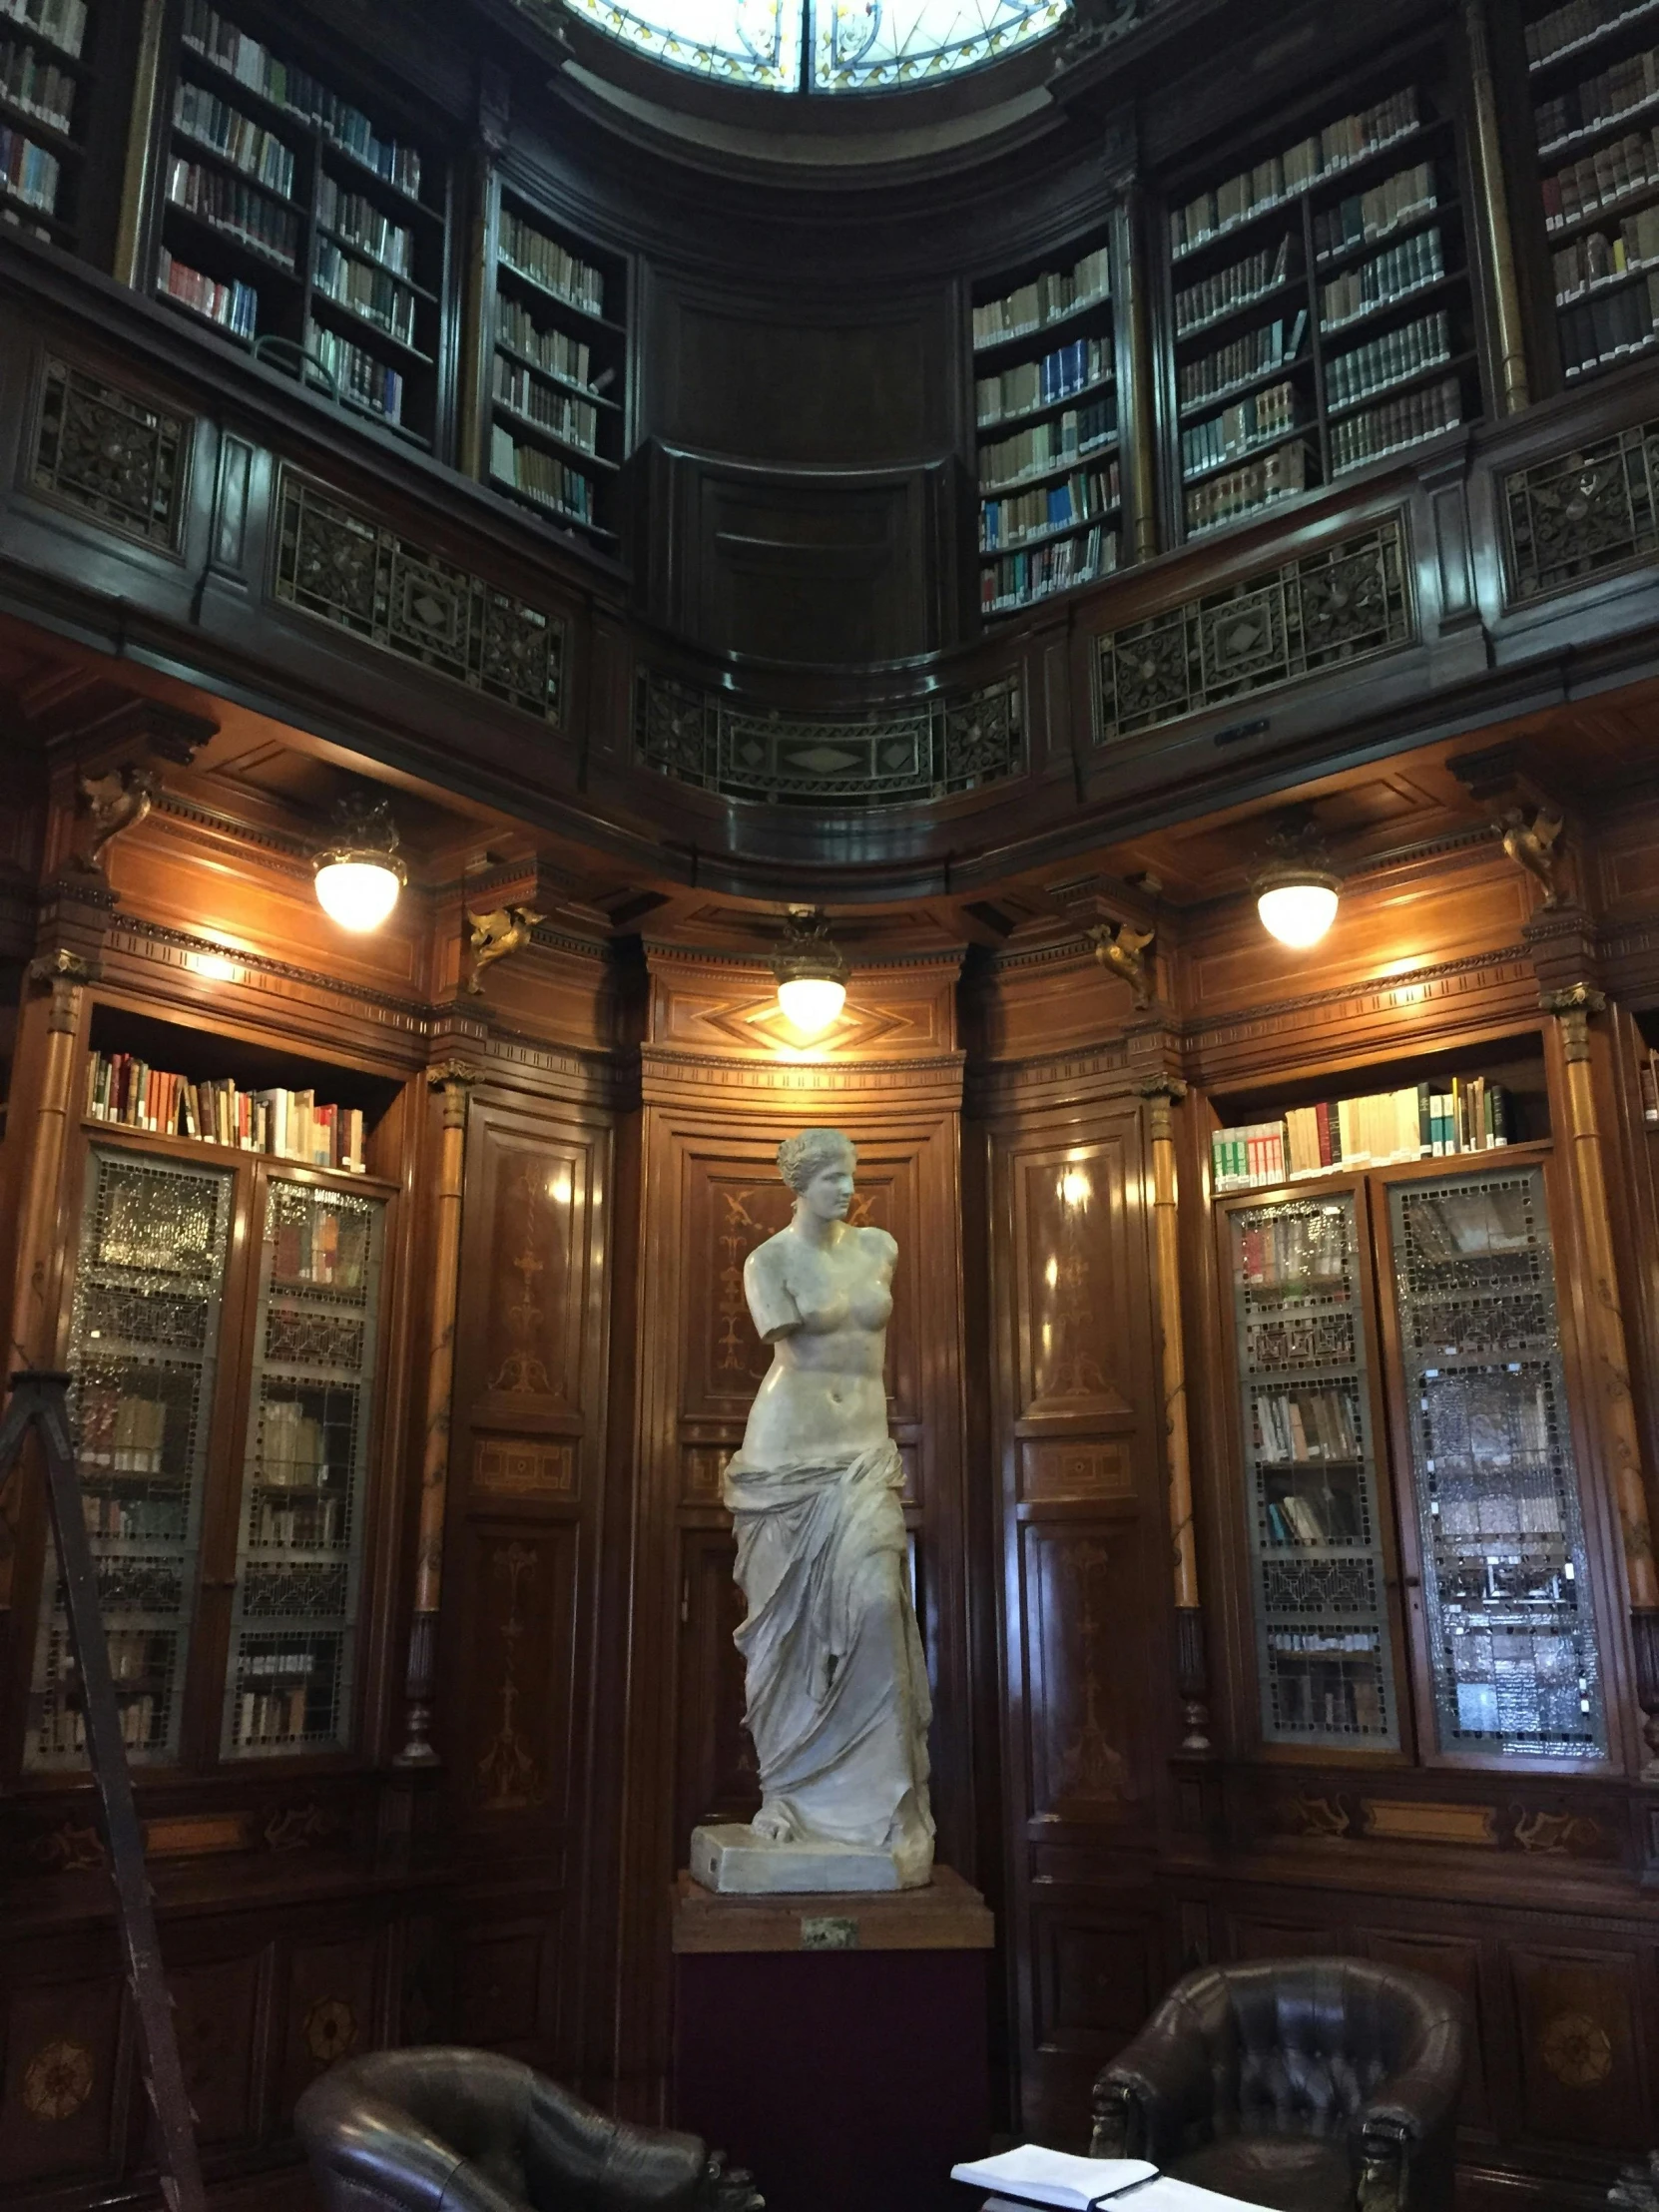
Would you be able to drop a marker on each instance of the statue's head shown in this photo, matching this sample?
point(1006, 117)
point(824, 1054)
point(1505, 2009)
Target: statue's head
point(817, 1165)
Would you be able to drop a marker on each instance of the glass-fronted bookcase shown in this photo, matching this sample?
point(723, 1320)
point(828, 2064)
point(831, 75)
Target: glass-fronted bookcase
point(1419, 1561)
point(223, 1340)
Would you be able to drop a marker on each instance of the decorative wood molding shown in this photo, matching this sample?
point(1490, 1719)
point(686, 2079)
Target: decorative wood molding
point(1509, 966)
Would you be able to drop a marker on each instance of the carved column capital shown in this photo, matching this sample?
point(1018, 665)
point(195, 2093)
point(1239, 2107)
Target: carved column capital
point(65, 975)
point(1572, 1008)
point(454, 1078)
point(1162, 1094)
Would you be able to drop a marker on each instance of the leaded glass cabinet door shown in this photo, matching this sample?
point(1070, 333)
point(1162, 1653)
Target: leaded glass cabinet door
point(300, 1544)
point(144, 1351)
point(1509, 1627)
point(1319, 1591)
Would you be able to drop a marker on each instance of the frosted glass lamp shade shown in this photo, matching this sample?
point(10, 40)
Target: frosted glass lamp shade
point(812, 1002)
point(1297, 913)
point(358, 893)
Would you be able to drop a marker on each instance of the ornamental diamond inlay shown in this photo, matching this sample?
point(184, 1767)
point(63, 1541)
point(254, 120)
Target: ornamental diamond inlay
point(112, 453)
point(1349, 602)
point(344, 568)
point(1582, 512)
point(930, 751)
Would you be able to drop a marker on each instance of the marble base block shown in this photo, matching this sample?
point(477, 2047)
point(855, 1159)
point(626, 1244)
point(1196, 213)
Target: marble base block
point(730, 1859)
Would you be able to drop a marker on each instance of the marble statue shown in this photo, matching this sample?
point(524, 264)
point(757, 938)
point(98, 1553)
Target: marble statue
point(838, 1697)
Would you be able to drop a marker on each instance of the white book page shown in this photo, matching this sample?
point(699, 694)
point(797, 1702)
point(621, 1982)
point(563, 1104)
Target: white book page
point(1055, 2177)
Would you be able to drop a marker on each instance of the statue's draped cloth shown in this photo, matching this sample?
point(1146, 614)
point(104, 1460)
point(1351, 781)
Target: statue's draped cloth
point(839, 1704)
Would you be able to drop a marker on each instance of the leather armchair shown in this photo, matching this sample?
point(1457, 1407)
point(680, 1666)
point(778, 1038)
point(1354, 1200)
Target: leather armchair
point(441, 2130)
point(1304, 2084)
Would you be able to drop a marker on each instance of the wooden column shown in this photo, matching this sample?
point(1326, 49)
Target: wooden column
point(1493, 207)
point(1162, 1094)
point(138, 183)
point(1137, 420)
point(1609, 1364)
point(455, 1079)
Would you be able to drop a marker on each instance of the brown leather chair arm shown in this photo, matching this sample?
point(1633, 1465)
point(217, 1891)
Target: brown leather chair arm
point(1153, 2093)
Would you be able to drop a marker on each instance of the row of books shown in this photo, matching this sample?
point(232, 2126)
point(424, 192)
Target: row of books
point(358, 375)
point(1387, 359)
point(240, 209)
point(1411, 1123)
point(1048, 444)
point(539, 476)
point(1576, 24)
point(372, 292)
point(28, 169)
point(234, 306)
point(31, 80)
point(1648, 1074)
point(208, 33)
point(118, 1519)
point(313, 1527)
point(1234, 287)
point(1353, 137)
point(1029, 385)
point(1083, 497)
point(1395, 275)
point(1280, 474)
point(63, 1728)
point(548, 264)
point(1283, 1251)
point(1265, 348)
point(1602, 257)
point(1370, 216)
point(1629, 83)
point(555, 352)
point(64, 22)
point(257, 153)
point(362, 225)
point(1057, 292)
point(1534, 1513)
point(271, 1717)
point(1247, 422)
point(1295, 1519)
point(560, 411)
point(1610, 326)
point(1408, 420)
point(316, 1249)
point(293, 1455)
point(1602, 179)
point(1306, 1425)
point(1016, 579)
point(122, 1432)
point(290, 1125)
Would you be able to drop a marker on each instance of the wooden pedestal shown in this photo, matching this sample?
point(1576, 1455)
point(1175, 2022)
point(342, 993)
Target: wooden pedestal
point(835, 2045)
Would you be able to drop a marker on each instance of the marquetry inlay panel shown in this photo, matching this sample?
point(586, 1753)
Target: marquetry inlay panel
point(112, 453)
point(346, 568)
point(1349, 602)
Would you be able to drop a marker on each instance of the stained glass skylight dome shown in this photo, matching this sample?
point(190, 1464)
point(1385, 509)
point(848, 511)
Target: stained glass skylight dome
point(825, 45)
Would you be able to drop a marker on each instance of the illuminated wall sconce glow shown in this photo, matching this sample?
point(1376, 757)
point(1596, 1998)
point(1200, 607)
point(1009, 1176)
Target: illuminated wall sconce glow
point(358, 872)
point(812, 973)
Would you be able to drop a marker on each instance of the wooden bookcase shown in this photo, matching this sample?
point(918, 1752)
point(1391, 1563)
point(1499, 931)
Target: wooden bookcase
point(1045, 371)
point(53, 56)
point(1586, 81)
point(556, 342)
point(1424, 1568)
point(1319, 304)
point(225, 1329)
point(304, 218)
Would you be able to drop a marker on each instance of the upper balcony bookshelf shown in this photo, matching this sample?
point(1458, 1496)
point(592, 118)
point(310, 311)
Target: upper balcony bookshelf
point(49, 50)
point(301, 219)
point(557, 348)
point(1593, 80)
point(1046, 427)
point(1321, 310)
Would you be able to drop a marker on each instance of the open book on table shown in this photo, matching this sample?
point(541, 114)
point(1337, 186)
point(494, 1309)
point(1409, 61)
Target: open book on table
point(1031, 2175)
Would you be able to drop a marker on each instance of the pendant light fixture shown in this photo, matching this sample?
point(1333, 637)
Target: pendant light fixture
point(358, 871)
point(812, 972)
point(1296, 889)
